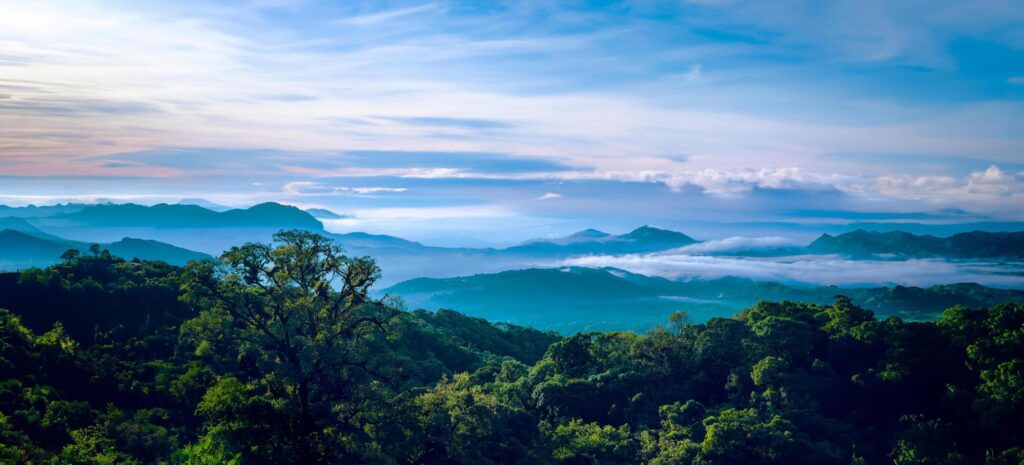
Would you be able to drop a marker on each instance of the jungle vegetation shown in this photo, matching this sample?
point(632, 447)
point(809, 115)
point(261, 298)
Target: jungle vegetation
point(277, 354)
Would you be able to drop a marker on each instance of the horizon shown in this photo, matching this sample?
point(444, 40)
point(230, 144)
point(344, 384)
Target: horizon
point(440, 119)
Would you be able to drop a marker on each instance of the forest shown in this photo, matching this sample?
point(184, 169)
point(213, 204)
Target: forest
point(279, 354)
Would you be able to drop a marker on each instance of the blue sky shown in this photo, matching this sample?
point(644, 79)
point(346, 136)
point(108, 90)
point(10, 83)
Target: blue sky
point(507, 120)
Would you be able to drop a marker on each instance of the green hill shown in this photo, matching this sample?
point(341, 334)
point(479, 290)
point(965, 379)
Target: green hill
point(976, 244)
point(577, 299)
point(19, 249)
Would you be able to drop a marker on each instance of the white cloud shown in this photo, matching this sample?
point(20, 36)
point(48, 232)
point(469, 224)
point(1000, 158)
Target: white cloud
point(993, 181)
point(370, 190)
point(733, 243)
point(305, 188)
point(819, 270)
point(549, 196)
point(87, 78)
point(384, 16)
point(163, 78)
point(991, 184)
point(728, 182)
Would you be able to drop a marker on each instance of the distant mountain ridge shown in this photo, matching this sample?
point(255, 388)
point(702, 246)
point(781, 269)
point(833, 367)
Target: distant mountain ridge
point(640, 240)
point(21, 249)
point(572, 299)
point(975, 244)
point(164, 215)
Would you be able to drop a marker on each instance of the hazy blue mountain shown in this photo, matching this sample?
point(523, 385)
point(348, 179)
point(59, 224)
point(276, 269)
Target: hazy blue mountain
point(205, 204)
point(591, 241)
point(191, 216)
point(153, 250)
point(15, 223)
point(975, 244)
point(940, 230)
point(356, 240)
point(577, 299)
point(585, 235)
point(33, 211)
point(325, 214)
point(20, 249)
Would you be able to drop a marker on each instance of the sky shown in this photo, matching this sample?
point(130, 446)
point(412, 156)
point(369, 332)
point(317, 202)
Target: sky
point(490, 122)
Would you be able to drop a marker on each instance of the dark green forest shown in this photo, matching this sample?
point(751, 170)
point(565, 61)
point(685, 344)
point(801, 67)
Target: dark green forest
point(278, 354)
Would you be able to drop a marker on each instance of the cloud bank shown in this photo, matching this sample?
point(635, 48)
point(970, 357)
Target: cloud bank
point(811, 269)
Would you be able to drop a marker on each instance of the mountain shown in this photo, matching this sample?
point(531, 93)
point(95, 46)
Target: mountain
point(574, 299)
point(588, 235)
point(648, 235)
point(585, 235)
point(325, 214)
point(591, 241)
point(975, 244)
point(191, 216)
point(33, 211)
point(19, 249)
point(129, 248)
point(19, 224)
point(361, 240)
point(204, 203)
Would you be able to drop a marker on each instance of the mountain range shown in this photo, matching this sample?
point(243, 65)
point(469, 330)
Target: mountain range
point(641, 240)
point(571, 299)
point(194, 231)
point(21, 249)
point(190, 216)
point(975, 244)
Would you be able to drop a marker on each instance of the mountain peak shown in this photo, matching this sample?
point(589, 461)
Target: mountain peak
point(647, 233)
point(589, 233)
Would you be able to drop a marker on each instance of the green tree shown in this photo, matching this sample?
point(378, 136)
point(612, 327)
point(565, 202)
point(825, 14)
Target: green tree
point(294, 321)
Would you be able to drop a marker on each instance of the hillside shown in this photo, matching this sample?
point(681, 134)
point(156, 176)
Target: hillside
point(576, 299)
point(975, 244)
point(20, 249)
point(108, 361)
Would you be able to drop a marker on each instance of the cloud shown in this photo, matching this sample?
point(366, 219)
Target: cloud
point(549, 196)
point(756, 94)
point(384, 16)
point(993, 181)
point(300, 188)
point(990, 183)
point(733, 243)
point(370, 190)
point(818, 270)
point(729, 182)
point(308, 188)
point(438, 121)
point(420, 222)
point(694, 73)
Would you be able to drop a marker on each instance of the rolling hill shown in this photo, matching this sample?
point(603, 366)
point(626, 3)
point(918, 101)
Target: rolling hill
point(578, 299)
point(975, 244)
point(20, 249)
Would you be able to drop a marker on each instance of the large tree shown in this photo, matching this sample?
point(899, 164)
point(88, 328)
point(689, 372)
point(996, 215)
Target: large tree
point(288, 326)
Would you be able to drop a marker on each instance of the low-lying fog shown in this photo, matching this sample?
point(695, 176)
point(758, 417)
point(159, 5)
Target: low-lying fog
point(699, 261)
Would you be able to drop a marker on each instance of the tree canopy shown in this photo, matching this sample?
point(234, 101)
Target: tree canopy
point(277, 353)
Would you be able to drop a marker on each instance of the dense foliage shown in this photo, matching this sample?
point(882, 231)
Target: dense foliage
point(276, 354)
